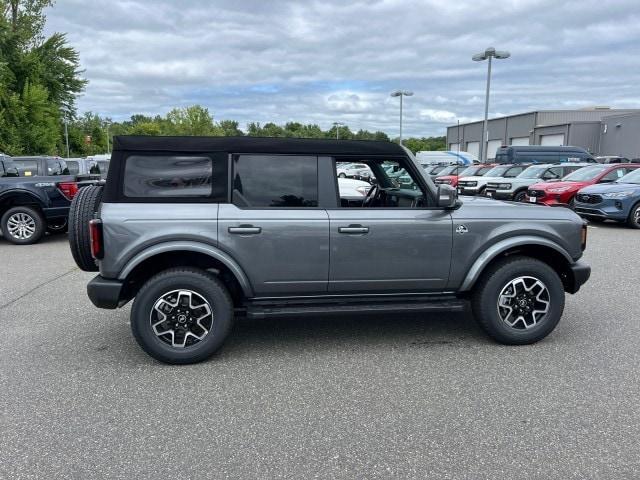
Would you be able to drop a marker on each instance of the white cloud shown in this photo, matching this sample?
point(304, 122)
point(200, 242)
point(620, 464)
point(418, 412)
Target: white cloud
point(326, 60)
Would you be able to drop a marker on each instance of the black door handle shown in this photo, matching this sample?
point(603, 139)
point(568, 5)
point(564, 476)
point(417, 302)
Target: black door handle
point(245, 230)
point(354, 230)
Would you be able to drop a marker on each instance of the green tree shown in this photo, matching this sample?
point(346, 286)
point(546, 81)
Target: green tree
point(39, 79)
point(193, 120)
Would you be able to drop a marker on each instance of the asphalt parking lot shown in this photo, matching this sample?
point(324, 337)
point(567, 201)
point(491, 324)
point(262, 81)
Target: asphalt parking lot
point(360, 397)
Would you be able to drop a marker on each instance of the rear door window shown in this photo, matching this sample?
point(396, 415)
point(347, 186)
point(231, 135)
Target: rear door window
point(275, 181)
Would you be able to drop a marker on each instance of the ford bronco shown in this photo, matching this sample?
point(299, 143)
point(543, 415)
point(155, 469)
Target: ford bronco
point(199, 230)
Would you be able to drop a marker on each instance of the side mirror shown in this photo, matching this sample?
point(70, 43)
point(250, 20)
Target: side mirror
point(447, 196)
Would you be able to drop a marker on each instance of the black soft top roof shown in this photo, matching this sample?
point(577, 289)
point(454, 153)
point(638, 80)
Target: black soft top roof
point(310, 146)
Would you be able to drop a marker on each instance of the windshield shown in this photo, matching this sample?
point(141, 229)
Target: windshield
point(633, 177)
point(436, 170)
point(451, 170)
point(533, 172)
point(497, 171)
point(584, 174)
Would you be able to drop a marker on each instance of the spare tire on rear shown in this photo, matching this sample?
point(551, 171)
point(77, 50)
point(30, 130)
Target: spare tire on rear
point(83, 209)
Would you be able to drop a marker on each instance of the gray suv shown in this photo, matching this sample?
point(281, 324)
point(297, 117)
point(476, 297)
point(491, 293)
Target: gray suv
point(201, 230)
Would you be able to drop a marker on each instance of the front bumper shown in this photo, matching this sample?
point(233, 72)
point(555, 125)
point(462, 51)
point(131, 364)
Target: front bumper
point(499, 195)
point(609, 208)
point(468, 190)
point(106, 292)
point(580, 273)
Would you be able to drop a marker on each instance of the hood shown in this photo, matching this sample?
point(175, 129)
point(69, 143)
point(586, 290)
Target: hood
point(351, 182)
point(561, 184)
point(611, 187)
point(496, 210)
point(447, 177)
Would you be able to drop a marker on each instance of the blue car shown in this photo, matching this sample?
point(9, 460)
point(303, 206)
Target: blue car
point(619, 200)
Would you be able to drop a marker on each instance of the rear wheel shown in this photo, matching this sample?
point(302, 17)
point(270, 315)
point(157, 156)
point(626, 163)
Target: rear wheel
point(518, 300)
point(57, 226)
point(22, 225)
point(182, 315)
point(634, 217)
point(342, 175)
point(83, 209)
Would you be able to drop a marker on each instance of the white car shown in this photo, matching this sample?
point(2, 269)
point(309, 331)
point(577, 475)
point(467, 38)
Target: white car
point(354, 170)
point(350, 188)
point(476, 185)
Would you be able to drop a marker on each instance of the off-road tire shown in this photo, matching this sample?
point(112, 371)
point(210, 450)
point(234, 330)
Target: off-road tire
point(35, 218)
point(84, 206)
point(198, 281)
point(489, 287)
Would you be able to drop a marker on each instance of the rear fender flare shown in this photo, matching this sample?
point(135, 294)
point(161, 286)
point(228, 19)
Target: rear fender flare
point(198, 247)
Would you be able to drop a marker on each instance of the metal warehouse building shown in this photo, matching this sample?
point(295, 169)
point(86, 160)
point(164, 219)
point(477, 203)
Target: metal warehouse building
point(600, 130)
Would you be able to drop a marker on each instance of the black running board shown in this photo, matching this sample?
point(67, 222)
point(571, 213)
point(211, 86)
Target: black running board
point(291, 309)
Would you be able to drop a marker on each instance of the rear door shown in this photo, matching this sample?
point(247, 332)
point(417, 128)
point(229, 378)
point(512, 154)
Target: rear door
point(274, 228)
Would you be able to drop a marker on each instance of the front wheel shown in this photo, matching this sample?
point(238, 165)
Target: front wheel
point(342, 175)
point(22, 225)
point(519, 197)
point(182, 315)
point(518, 300)
point(634, 217)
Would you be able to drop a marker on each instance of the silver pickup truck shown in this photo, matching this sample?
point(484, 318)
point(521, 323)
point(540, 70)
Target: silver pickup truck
point(201, 230)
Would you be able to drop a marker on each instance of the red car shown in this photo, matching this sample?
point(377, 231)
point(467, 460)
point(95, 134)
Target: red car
point(563, 192)
point(473, 170)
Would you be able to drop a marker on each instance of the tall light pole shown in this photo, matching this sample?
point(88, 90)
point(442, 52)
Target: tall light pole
point(489, 53)
point(66, 134)
point(401, 93)
point(338, 125)
point(107, 123)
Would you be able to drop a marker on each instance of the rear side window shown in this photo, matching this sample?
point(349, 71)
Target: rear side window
point(168, 176)
point(73, 166)
point(27, 168)
point(57, 167)
point(284, 181)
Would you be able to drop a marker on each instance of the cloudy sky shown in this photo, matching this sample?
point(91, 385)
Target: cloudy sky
point(325, 61)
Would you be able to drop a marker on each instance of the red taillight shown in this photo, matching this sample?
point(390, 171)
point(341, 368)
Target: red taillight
point(95, 234)
point(68, 189)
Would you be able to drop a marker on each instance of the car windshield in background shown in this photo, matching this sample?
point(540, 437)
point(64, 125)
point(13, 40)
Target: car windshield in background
point(451, 170)
point(436, 170)
point(633, 177)
point(584, 174)
point(497, 171)
point(470, 171)
point(533, 172)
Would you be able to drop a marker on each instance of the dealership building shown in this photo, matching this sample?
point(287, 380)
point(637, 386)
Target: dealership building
point(600, 130)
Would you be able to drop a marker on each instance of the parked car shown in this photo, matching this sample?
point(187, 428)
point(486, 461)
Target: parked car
point(450, 170)
point(612, 159)
point(477, 184)
point(353, 190)
point(618, 200)
point(542, 154)
point(42, 166)
point(354, 170)
point(7, 167)
point(474, 170)
point(437, 157)
point(281, 242)
point(516, 188)
point(563, 193)
point(30, 206)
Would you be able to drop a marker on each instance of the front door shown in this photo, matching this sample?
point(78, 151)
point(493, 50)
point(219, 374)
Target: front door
point(392, 242)
point(384, 250)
